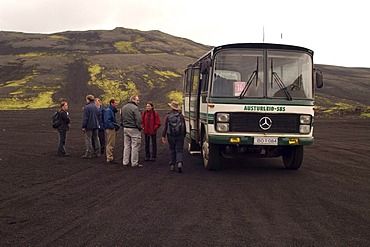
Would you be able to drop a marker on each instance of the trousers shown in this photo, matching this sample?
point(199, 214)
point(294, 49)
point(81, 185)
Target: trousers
point(154, 146)
point(176, 146)
point(111, 142)
point(62, 142)
point(131, 143)
point(89, 135)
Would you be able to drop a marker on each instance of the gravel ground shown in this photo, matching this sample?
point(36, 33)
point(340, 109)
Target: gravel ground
point(50, 201)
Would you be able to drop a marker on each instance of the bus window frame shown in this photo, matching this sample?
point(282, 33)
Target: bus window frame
point(188, 81)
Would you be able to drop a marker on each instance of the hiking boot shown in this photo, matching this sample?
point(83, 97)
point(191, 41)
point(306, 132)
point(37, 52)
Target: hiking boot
point(63, 155)
point(179, 167)
point(172, 167)
point(137, 166)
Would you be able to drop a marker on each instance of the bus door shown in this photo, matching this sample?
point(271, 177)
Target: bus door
point(194, 102)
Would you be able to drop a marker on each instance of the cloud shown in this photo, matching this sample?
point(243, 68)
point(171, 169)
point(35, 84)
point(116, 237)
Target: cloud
point(337, 33)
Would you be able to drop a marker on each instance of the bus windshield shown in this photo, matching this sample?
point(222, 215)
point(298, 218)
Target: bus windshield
point(234, 68)
point(289, 75)
point(243, 73)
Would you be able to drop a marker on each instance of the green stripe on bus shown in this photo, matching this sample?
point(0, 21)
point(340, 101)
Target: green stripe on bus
point(245, 101)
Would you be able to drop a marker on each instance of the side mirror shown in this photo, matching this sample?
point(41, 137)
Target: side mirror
point(319, 78)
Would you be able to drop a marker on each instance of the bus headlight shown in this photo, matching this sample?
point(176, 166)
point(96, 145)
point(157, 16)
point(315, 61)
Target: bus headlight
point(304, 129)
point(222, 127)
point(223, 117)
point(305, 119)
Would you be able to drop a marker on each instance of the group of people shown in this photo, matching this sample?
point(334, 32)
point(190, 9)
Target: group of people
point(100, 127)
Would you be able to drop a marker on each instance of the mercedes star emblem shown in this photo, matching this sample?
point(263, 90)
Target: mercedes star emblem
point(265, 123)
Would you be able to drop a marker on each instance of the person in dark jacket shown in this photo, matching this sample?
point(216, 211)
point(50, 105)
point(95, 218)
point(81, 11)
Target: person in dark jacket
point(63, 128)
point(175, 135)
point(150, 123)
point(90, 126)
point(110, 125)
point(131, 121)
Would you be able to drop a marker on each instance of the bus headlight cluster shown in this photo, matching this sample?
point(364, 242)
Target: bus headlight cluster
point(223, 117)
point(222, 122)
point(304, 129)
point(305, 119)
point(222, 127)
point(305, 124)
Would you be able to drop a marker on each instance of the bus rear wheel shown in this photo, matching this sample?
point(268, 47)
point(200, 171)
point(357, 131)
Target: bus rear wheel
point(211, 155)
point(292, 157)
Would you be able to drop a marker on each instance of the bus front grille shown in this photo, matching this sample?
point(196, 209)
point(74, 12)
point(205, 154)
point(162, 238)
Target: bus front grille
point(251, 122)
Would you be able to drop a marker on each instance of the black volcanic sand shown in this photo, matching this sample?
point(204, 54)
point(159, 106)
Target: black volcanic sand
point(50, 201)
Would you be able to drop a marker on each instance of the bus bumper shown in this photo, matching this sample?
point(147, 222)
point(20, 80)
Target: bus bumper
point(249, 140)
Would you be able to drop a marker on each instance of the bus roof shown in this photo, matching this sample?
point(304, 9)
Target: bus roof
point(263, 46)
point(269, 46)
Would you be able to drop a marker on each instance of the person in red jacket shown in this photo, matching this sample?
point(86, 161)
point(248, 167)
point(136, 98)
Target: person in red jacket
point(150, 122)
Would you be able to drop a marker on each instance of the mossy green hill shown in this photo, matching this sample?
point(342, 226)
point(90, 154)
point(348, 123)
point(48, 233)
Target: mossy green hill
point(40, 70)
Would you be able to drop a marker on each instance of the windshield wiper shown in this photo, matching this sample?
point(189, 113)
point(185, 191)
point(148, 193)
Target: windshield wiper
point(275, 77)
point(281, 85)
point(249, 82)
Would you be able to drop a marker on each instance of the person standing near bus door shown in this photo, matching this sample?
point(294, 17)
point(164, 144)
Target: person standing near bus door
point(150, 123)
point(174, 132)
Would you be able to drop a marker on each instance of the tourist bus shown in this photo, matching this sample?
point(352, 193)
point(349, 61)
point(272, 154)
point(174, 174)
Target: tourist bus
point(254, 99)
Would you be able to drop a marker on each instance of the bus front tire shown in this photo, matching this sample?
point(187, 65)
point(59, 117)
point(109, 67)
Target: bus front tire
point(292, 157)
point(211, 155)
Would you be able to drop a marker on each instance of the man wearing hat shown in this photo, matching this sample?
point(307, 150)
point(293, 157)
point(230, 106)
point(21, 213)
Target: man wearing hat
point(174, 132)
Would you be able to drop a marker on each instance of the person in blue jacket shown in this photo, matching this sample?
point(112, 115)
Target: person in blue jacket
point(90, 126)
point(111, 126)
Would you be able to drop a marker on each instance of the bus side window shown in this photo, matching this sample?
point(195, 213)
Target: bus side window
point(204, 83)
point(195, 81)
point(187, 81)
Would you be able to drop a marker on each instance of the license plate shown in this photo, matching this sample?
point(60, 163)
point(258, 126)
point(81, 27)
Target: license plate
point(266, 141)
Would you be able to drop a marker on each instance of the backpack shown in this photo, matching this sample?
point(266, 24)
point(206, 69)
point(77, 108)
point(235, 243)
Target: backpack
point(175, 124)
point(56, 120)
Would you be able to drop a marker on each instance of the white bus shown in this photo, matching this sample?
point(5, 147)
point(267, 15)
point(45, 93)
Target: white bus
point(251, 99)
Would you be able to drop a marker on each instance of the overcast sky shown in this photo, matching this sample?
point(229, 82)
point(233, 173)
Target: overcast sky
point(337, 31)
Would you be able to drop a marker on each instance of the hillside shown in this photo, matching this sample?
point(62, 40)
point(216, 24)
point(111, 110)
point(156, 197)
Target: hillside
point(345, 91)
point(40, 70)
